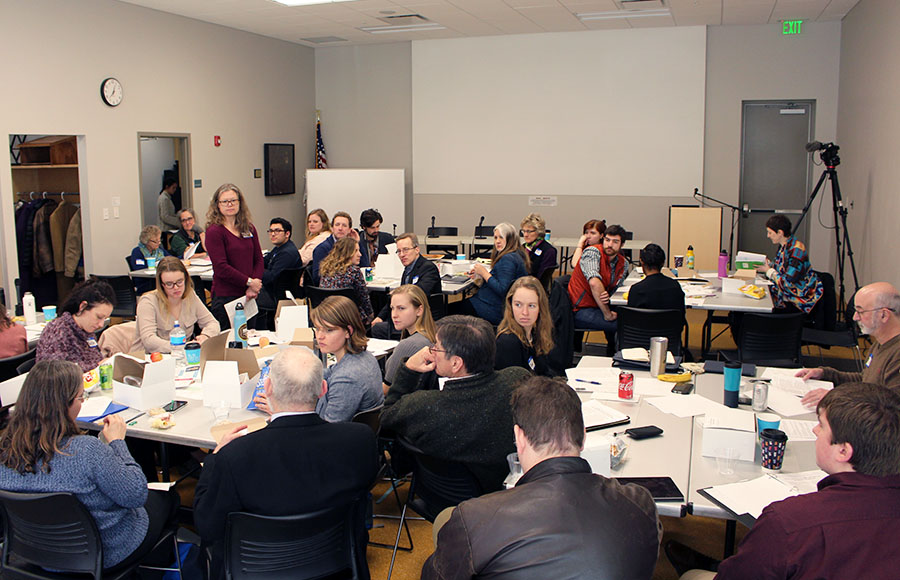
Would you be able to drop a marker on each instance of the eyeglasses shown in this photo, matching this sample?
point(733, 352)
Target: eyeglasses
point(528, 231)
point(187, 219)
point(403, 251)
point(82, 397)
point(171, 285)
point(433, 350)
point(229, 202)
point(274, 231)
point(861, 311)
point(156, 241)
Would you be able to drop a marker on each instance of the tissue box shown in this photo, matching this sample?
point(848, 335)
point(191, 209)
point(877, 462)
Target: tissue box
point(221, 382)
point(730, 429)
point(157, 382)
point(596, 453)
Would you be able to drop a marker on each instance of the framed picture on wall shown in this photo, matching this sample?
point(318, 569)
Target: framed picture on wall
point(279, 160)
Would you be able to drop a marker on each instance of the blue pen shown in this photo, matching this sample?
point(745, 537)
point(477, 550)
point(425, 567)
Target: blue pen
point(587, 381)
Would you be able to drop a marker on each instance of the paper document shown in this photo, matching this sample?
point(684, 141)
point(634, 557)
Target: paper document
point(798, 430)
point(160, 485)
point(250, 308)
point(799, 387)
point(751, 497)
point(380, 346)
point(597, 414)
point(190, 251)
point(643, 355)
point(743, 256)
point(584, 377)
point(389, 265)
point(786, 404)
point(93, 407)
point(685, 405)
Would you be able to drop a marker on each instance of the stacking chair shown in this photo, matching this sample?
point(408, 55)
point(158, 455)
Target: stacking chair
point(436, 485)
point(826, 332)
point(449, 251)
point(54, 531)
point(636, 326)
point(126, 298)
point(770, 339)
point(486, 232)
point(316, 295)
point(304, 546)
point(9, 365)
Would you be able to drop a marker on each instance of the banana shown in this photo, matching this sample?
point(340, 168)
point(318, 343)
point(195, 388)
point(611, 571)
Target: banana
point(675, 378)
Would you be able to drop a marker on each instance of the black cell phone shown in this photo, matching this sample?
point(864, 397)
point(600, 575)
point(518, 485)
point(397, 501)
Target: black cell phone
point(683, 388)
point(174, 406)
point(643, 432)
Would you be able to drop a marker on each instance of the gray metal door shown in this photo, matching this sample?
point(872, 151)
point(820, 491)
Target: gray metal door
point(775, 168)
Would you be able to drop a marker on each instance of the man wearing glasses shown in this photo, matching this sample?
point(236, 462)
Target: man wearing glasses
point(418, 271)
point(878, 315)
point(282, 256)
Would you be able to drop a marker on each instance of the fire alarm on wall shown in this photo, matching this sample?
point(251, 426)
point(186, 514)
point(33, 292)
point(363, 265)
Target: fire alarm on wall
point(217, 141)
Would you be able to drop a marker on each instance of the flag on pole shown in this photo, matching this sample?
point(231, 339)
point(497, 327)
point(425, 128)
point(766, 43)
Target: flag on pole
point(321, 162)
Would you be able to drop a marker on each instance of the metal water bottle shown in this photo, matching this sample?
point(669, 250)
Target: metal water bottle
point(658, 347)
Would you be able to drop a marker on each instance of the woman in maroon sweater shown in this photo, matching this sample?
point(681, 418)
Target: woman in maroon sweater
point(233, 247)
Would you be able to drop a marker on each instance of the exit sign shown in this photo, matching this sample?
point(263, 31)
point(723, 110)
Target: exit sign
point(791, 26)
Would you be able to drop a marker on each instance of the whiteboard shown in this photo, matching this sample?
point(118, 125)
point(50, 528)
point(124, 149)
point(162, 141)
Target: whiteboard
point(600, 113)
point(355, 190)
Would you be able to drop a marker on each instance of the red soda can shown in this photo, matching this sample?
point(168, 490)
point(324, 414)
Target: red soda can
point(626, 385)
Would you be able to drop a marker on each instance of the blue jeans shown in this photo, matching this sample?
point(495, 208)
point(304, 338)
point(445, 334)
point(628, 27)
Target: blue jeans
point(593, 318)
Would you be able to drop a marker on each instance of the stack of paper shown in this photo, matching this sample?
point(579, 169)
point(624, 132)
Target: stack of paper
point(685, 405)
point(752, 497)
point(643, 355)
point(597, 415)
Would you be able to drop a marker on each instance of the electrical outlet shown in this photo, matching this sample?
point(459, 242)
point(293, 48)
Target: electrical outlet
point(116, 212)
point(106, 213)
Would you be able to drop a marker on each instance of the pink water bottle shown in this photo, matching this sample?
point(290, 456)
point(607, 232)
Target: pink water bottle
point(723, 264)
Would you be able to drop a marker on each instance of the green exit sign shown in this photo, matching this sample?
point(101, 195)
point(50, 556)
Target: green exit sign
point(791, 26)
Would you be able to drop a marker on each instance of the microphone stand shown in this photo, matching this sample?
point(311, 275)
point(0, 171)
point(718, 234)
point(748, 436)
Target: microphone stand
point(703, 199)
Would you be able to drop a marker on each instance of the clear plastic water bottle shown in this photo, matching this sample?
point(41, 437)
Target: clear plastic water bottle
point(176, 340)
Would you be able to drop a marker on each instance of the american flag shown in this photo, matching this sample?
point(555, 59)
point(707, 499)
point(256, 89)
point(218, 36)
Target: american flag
point(321, 162)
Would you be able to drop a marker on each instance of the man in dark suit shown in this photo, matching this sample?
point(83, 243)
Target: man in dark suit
point(416, 270)
point(297, 464)
point(656, 290)
point(372, 241)
point(282, 256)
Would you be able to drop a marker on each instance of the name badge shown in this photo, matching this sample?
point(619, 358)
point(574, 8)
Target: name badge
point(531, 362)
point(139, 262)
point(92, 342)
point(538, 251)
point(869, 361)
point(415, 280)
point(250, 235)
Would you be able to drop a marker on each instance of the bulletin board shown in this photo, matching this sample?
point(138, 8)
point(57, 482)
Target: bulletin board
point(700, 227)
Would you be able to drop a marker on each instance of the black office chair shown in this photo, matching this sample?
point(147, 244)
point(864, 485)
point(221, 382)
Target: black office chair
point(487, 233)
point(449, 251)
point(288, 280)
point(636, 326)
point(25, 366)
point(436, 485)
point(126, 298)
point(832, 333)
point(54, 531)
point(370, 418)
point(770, 339)
point(316, 295)
point(9, 366)
point(438, 305)
point(547, 277)
point(304, 546)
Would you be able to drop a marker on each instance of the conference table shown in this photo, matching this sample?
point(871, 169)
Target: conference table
point(678, 452)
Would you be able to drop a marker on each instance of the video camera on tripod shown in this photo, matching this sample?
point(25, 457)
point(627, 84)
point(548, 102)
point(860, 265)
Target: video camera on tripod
point(829, 152)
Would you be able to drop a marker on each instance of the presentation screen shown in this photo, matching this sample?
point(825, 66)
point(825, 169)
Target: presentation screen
point(614, 112)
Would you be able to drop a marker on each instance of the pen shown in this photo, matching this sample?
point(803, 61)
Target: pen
point(133, 420)
point(587, 381)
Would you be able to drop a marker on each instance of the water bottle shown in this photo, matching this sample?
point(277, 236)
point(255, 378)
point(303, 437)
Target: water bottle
point(723, 264)
point(176, 340)
point(29, 308)
point(689, 258)
point(240, 325)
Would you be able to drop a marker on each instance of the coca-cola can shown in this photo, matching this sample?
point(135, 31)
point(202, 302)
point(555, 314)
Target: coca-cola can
point(626, 385)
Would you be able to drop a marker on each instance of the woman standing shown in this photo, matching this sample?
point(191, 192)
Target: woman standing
point(540, 252)
point(591, 235)
point(340, 269)
point(412, 317)
point(794, 284)
point(525, 337)
point(43, 451)
point(233, 247)
point(318, 228)
point(354, 381)
point(173, 300)
point(149, 246)
point(71, 336)
point(508, 263)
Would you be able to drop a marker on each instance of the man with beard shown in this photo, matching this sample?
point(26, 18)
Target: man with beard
point(600, 271)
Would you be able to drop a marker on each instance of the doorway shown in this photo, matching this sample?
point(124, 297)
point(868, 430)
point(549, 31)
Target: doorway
point(776, 170)
point(162, 156)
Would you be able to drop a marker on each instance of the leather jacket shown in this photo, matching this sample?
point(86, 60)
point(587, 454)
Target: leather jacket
point(560, 521)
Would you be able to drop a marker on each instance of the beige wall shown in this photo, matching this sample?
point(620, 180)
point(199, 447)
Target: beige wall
point(179, 76)
point(868, 134)
point(743, 63)
point(747, 63)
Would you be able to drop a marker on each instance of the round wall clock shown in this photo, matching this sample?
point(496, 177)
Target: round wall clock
point(111, 92)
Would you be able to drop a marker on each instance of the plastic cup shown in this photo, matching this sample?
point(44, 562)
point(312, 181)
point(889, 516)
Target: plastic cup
point(221, 410)
point(49, 313)
point(772, 443)
point(151, 263)
point(767, 421)
point(192, 353)
point(726, 459)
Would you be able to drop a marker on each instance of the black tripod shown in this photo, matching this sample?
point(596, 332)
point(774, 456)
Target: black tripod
point(831, 160)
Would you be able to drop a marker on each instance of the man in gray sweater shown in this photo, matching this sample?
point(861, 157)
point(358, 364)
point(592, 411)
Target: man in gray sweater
point(450, 402)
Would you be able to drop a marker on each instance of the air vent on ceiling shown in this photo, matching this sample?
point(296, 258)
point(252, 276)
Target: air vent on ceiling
point(404, 19)
point(324, 39)
point(403, 23)
point(640, 4)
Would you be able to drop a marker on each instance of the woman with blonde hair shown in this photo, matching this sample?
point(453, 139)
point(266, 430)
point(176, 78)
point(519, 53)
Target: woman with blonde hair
point(340, 269)
point(412, 317)
point(525, 336)
point(173, 301)
point(318, 228)
point(149, 246)
point(232, 244)
point(540, 252)
point(354, 381)
point(43, 451)
point(508, 263)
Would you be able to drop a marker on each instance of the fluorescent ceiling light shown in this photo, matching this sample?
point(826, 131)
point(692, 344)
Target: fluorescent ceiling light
point(307, 2)
point(618, 14)
point(402, 28)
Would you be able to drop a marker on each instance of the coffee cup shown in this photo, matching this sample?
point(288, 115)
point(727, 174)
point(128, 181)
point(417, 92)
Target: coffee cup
point(192, 353)
point(151, 263)
point(772, 443)
point(49, 313)
point(767, 421)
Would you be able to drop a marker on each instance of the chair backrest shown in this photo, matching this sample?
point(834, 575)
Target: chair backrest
point(50, 530)
point(636, 326)
point(436, 305)
point(126, 298)
point(9, 366)
point(442, 231)
point(486, 231)
point(547, 277)
point(301, 546)
point(439, 483)
point(824, 314)
point(372, 418)
point(288, 280)
point(772, 339)
point(25, 366)
point(316, 295)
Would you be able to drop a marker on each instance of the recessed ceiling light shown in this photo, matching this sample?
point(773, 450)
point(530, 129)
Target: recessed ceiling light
point(307, 2)
point(403, 28)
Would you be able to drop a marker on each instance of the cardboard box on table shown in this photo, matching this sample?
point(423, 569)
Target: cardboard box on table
point(730, 429)
point(221, 369)
point(157, 382)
